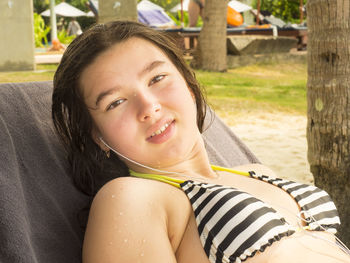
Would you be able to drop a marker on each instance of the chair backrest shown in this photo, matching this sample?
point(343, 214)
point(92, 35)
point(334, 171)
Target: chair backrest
point(39, 205)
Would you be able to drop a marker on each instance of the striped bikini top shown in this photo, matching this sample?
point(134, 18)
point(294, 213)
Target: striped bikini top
point(233, 225)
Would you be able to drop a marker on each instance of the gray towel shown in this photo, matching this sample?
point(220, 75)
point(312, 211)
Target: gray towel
point(39, 206)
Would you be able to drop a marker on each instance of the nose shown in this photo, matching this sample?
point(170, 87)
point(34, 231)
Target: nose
point(148, 108)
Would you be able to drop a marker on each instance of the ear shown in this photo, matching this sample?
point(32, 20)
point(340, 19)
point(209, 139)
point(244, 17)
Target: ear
point(96, 136)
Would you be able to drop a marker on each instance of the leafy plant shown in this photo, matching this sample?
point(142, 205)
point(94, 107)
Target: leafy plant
point(40, 31)
point(288, 10)
point(64, 38)
point(177, 19)
point(42, 5)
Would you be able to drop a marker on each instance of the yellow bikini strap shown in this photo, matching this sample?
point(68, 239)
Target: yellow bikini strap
point(176, 182)
point(161, 178)
point(219, 168)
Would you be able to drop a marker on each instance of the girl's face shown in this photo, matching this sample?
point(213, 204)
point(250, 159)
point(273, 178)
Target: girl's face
point(140, 104)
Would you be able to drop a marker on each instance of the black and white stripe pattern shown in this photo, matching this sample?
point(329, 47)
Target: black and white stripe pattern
point(316, 205)
point(233, 225)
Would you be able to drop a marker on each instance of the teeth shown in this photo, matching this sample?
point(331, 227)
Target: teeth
point(160, 130)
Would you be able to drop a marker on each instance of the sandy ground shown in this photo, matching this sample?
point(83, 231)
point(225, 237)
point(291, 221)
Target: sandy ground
point(279, 141)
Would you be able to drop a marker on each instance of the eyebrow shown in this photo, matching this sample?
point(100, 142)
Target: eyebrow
point(104, 94)
point(149, 67)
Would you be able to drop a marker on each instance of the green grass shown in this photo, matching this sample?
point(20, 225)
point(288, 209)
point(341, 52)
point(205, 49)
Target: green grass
point(42, 72)
point(267, 87)
point(250, 89)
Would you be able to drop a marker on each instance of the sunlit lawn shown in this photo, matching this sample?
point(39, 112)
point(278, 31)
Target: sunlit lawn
point(264, 87)
point(42, 73)
point(269, 87)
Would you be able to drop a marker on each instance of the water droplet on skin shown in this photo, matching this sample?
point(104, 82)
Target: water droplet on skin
point(120, 213)
point(141, 254)
point(113, 196)
point(110, 243)
point(125, 240)
point(144, 241)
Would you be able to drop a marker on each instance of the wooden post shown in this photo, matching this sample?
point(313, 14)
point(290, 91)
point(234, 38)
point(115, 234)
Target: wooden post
point(182, 14)
point(301, 11)
point(258, 12)
point(53, 20)
point(17, 35)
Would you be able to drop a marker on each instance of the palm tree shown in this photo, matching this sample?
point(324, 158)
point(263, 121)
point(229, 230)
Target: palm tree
point(211, 49)
point(328, 128)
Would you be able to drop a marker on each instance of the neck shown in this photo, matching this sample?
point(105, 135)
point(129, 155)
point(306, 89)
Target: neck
point(195, 164)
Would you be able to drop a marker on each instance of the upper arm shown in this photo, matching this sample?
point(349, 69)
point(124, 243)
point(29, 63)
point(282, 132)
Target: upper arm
point(127, 224)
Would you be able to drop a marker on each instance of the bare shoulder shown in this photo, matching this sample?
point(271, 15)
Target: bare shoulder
point(128, 221)
point(126, 191)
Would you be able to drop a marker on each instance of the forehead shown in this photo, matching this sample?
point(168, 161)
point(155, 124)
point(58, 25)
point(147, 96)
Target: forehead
point(134, 52)
point(121, 61)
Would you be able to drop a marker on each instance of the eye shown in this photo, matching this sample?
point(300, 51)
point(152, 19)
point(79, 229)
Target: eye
point(114, 104)
point(156, 79)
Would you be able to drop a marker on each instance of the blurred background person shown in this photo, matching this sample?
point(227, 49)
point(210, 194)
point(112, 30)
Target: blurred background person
point(195, 8)
point(74, 28)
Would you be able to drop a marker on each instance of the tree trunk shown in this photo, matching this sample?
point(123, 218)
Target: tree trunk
point(328, 97)
point(110, 10)
point(211, 49)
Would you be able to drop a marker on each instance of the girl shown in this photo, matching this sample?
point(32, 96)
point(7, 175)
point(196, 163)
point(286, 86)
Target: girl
point(125, 103)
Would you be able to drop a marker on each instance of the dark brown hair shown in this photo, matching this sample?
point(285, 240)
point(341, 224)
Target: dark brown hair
point(90, 167)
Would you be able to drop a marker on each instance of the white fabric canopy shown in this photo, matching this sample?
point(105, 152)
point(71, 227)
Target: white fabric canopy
point(64, 9)
point(148, 5)
point(178, 6)
point(90, 14)
point(238, 6)
point(153, 15)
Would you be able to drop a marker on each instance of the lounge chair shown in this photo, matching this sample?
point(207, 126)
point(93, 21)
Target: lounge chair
point(39, 205)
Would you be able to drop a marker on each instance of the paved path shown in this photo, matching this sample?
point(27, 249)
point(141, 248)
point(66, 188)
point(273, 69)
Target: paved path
point(47, 58)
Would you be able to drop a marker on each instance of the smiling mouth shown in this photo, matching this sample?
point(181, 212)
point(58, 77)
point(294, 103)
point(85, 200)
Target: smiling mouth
point(161, 130)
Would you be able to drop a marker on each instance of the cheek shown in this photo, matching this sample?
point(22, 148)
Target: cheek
point(179, 94)
point(116, 130)
point(120, 128)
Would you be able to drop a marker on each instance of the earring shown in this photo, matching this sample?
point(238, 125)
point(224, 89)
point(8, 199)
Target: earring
point(108, 153)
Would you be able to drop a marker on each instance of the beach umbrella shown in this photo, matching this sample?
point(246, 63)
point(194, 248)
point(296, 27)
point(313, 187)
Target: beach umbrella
point(238, 6)
point(182, 6)
point(153, 15)
point(64, 9)
point(90, 14)
point(301, 10)
point(258, 12)
point(148, 5)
